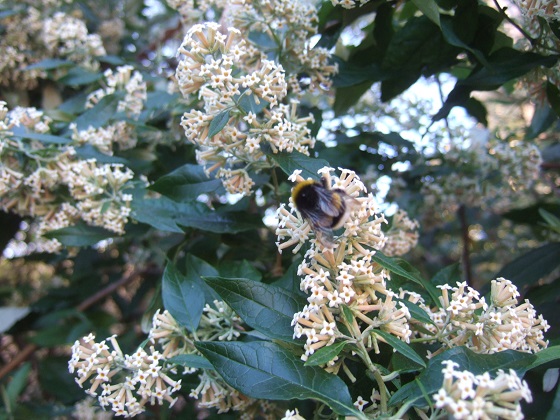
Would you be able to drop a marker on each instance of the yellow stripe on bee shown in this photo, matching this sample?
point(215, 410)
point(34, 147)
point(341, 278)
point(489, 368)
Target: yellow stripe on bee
point(297, 189)
point(336, 200)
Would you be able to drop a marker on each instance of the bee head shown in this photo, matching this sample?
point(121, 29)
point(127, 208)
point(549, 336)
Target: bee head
point(304, 194)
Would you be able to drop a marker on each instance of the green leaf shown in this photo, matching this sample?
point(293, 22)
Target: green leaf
point(114, 60)
point(401, 347)
point(548, 355)
point(289, 162)
point(452, 38)
point(218, 123)
point(265, 370)
point(192, 361)
point(23, 133)
point(248, 103)
point(169, 216)
point(50, 64)
point(447, 275)
point(17, 383)
point(182, 297)
point(100, 114)
point(56, 335)
point(416, 312)
point(552, 221)
point(529, 268)
point(431, 379)
point(239, 269)
point(266, 308)
point(429, 8)
point(553, 96)
point(186, 183)
point(554, 411)
point(78, 76)
point(504, 65)
point(79, 235)
point(345, 97)
point(404, 269)
point(325, 354)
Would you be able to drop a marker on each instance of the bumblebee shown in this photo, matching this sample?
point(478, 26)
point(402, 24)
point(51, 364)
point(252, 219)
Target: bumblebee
point(325, 209)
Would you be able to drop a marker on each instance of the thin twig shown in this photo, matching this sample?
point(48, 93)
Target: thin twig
point(502, 11)
point(29, 349)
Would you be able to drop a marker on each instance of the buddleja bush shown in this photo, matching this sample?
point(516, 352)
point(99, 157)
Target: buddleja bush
point(155, 263)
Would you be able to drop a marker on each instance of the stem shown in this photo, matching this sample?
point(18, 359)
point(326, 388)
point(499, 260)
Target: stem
point(502, 11)
point(383, 392)
point(462, 213)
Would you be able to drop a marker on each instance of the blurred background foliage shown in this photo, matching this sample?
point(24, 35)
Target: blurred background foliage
point(424, 90)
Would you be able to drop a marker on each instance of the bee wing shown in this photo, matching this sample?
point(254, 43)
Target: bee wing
point(330, 203)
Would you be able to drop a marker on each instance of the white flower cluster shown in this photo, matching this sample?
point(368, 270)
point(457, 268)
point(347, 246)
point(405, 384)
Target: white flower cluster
point(194, 11)
point(21, 46)
point(67, 36)
point(402, 236)
point(465, 319)
point(230, 93)
point(468, 396)
point(344, 274)
point(349, 4)
point(289, 25)
point(547, 9)
point(127, 382)
point(49, 183)
point(487, 176)
point(105, 139)
point(129, 81)
point(363, 227)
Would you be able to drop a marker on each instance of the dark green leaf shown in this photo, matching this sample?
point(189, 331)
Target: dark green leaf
point(266, 308)
point(401, 347)
point(451, 37)
point(348, 96)
point(23, 133)
point(476, 109)
point(325, 354)
point(100, 114)
point(448, 275)
point(182, 297)
point(79, 235)
point(17, 383)
point(289, 162)
point(186, 183)
point(78, 76)
point(49, 64)
point(404, 269)
point(553, 96)
point(431, 379)
point(548, 355)
point(265, 370)
point(218, 123)
point(429, 8)
point(239, 269)
point(111, 59)
point(191, 360)
point(504, 65)
point(169, 216)
point(248, 103)
point(56, 335)
point(543, 118)
point(416, 312)
point(529, 268)
point(554, 411)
